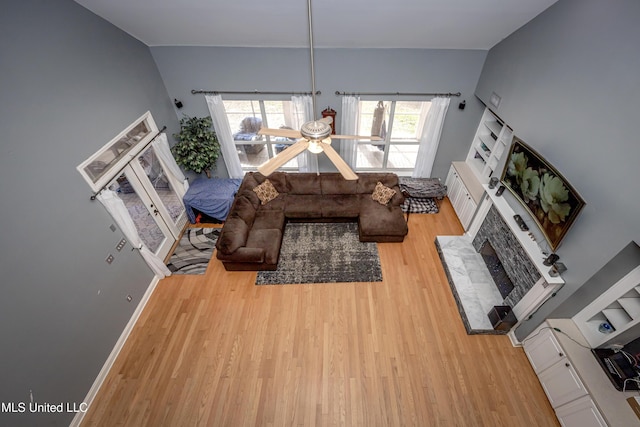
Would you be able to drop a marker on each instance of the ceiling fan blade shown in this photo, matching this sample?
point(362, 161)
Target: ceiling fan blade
point(342, 166)
point(286, 133)
point(289, 153)
point(372, 138)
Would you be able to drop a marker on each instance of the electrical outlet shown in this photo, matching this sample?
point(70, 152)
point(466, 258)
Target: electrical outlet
point(129, 298)
point(121, 244)
point(109, 259)
point(112, 227)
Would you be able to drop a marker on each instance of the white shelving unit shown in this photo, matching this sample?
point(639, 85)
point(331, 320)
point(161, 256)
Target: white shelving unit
point(492, 140)
point(619, 306)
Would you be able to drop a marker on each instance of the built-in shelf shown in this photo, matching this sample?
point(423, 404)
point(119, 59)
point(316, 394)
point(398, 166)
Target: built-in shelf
point(619, 306)
point(489, 143)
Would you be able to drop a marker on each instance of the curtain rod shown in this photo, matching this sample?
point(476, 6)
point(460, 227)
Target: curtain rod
point(255, 92)
point(338, 93)
point(93, 196)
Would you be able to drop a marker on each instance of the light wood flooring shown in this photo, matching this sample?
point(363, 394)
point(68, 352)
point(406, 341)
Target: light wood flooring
point(216, 350)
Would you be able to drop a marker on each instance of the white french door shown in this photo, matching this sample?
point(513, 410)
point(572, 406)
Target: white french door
point(130, 166)
point(152, 203)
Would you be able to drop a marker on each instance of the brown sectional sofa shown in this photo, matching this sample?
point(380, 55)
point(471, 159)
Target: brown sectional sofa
point(252, 234)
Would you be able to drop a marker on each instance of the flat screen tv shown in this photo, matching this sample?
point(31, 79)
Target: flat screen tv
point(542, 190)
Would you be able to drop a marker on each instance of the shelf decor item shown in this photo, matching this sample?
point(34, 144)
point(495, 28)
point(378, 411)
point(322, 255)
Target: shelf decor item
point(551, 200)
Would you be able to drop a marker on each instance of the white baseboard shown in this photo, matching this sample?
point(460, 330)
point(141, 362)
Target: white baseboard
point(93, 391)
point(514, 340)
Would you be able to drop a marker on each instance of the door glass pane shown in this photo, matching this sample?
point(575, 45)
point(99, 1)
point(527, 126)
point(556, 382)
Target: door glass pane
point(158, 178)
point(149, 232)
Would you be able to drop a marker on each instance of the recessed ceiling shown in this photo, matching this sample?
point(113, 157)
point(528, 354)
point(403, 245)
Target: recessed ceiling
point(428, 24)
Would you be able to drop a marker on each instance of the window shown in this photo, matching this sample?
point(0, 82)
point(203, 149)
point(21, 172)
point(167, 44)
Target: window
point(245, 120)
point(399, 124)
point(102, 167)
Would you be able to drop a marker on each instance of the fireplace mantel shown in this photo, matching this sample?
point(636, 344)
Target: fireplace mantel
point(524, 238)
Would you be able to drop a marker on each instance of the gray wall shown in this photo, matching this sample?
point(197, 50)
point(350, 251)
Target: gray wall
point(69, 82)
point(568, 82)
point(352, 70)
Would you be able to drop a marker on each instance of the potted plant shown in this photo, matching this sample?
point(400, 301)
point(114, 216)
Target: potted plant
point(198, 147)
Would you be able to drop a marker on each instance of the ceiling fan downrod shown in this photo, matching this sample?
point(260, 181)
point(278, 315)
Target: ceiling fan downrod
point(313, 73)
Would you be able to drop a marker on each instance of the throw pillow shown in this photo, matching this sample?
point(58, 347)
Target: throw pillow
point(266, 192)
point(382, 194)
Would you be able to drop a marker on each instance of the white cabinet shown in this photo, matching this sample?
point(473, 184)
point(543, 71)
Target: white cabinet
point(543, 350)
point(575, 384)
point(561, 383)
point(619, 306)
point(490, 143)
point(581, 412)
point(557, 376)
point(460, 197)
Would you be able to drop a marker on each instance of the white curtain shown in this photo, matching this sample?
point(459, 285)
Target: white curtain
point(349, 126)
point(430, 137)
point(223, 131)
point(161, 145)
point(302, 112)
point(116, 207)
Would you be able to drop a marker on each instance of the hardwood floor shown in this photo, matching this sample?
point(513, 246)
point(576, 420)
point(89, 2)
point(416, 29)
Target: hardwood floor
point(216, 350)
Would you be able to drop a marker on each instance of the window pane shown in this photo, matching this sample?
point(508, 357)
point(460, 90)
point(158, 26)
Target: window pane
point(402, 156)
point(367, 112)
point(275, 114)
point(408, 119)
point(237, 111)
point(98, 167)
point(370, 156)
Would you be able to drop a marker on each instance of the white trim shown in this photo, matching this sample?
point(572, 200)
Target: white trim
point(93, 391)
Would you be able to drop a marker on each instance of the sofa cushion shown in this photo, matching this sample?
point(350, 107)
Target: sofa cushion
point(269, 219)
point(378, 220)
point(278, 179)
point(244, 254)
point(367, 181)
point(334, 183)
point(340, 206)
point(249, 182)
point(304, 183)
point(234, 235)
point(244, 208)
point(267, 239)
point(303, 206)
point(382, 194)
point(266, 192)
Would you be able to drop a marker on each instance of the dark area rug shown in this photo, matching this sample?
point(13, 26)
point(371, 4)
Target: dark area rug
point(193, 253)
point(323, 253)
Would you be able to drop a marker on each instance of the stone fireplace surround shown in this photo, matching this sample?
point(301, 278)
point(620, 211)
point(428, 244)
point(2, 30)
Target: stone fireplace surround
point(471, 283)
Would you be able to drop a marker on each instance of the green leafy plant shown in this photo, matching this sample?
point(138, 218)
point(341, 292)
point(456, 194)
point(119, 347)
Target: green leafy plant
point(198, 147)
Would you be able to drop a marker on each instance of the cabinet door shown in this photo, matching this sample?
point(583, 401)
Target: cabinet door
point(468, 209)
point(561, 383)
point(543, 350)
point(581, 412)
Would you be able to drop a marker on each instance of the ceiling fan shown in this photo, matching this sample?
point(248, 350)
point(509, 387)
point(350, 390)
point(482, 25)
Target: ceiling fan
point(314, 136)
